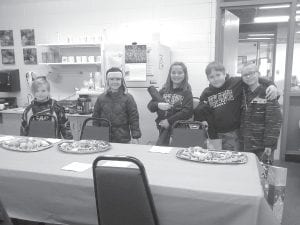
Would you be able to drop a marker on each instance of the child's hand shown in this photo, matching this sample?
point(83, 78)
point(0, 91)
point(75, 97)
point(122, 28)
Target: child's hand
point(164, 123)
point(271, 92)
point(135, 141)
point(164, 106)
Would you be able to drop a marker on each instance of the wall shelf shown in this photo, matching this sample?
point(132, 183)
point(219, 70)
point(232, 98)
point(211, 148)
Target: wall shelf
point(72, 45)
point(71, 64)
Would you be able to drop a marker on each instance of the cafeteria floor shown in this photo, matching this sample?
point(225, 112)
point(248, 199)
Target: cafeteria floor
point(291, 211)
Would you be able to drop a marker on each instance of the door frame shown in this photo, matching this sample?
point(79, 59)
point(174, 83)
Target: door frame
point(220, 7)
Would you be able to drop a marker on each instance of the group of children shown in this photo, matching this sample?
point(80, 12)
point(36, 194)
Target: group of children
point(242, 111)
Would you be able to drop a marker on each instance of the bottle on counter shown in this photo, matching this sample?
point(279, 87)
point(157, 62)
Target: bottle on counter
point(268, 153)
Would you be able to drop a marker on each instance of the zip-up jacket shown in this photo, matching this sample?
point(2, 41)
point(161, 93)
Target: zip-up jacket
point(49, 107)
point(121, 110)
point(261, 121)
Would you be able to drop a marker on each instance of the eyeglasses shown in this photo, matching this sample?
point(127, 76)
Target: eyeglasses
point(249, 74)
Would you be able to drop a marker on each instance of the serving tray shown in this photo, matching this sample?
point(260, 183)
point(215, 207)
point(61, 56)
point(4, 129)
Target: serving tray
point(84, 146)
point(26, 144)
point(198, 154)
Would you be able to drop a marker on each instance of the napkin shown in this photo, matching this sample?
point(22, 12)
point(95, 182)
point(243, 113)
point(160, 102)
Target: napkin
point(159, 149)
point(77, 166)
point(53, 140)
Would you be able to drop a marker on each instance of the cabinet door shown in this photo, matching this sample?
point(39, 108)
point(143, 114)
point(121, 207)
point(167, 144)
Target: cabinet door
point(11, 123)
point(74, 127)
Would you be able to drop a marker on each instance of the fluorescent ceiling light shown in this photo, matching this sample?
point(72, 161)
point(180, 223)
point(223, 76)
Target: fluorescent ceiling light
point(298, 32)
point(260, 35)
point(274, 6)
point(298, 12)
point(271, 19)
point(259, 38)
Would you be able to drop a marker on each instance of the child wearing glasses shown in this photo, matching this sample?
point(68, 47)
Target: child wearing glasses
point(261, 118)
point(44, 105)
point(119, 107)
point(177, 102)
point(224, 97)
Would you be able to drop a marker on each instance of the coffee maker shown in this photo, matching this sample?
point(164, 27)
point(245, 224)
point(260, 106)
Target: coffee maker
point(84, 105)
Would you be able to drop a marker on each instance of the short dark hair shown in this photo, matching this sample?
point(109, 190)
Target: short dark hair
point(214, 66)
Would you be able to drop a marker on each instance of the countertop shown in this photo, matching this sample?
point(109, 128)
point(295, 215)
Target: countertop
point(20, 110)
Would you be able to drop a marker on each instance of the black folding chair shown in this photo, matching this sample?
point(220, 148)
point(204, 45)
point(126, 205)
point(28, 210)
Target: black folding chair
point(43, 125)
point(100, 129)
point(189, 134)
point(4, 218)
point(123, 196)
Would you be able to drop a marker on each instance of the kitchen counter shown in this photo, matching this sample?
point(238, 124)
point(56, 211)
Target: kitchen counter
point(10, 122)
point(20, 110)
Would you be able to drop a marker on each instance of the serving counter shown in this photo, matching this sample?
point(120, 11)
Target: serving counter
point(34, 187)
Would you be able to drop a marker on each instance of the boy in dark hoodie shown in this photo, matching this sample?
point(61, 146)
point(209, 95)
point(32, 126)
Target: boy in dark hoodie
point(224, 96)
point(177, 104)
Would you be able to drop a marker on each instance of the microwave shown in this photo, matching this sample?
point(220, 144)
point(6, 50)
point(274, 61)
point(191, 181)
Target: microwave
point(9, 80)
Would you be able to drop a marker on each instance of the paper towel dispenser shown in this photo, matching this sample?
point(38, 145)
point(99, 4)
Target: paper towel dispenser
point(9, 80)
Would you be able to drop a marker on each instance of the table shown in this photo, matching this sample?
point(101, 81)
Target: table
point(33, 187)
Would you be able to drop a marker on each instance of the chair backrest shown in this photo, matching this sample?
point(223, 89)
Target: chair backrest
point(123, 196)
point(47, 128)
point(4, 219)
point(189, 134)
point(99, 130)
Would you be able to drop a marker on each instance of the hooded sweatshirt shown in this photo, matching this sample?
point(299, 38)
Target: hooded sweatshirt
point(226, 102)
point(182, 105)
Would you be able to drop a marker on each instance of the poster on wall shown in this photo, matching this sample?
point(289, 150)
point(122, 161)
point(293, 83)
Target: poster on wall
point(30, 56)
point(27, 37)
point(8, 56)
point(135, 62)
point(135, 53)
point(6, 38)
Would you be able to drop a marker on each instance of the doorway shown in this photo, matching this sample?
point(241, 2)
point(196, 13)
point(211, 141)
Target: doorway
point(266, 31)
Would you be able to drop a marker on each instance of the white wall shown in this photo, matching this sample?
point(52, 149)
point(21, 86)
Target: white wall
point(186, 26)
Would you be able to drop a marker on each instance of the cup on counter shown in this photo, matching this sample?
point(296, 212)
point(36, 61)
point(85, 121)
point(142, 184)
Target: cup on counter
point(84, 59)
point(98, 58)
point(2, 106)
point(78, 59)
point(71, 59)
point(64, 59)
point(91, 59)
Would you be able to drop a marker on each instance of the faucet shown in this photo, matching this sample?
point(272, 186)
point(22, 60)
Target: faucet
point(29, 98)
